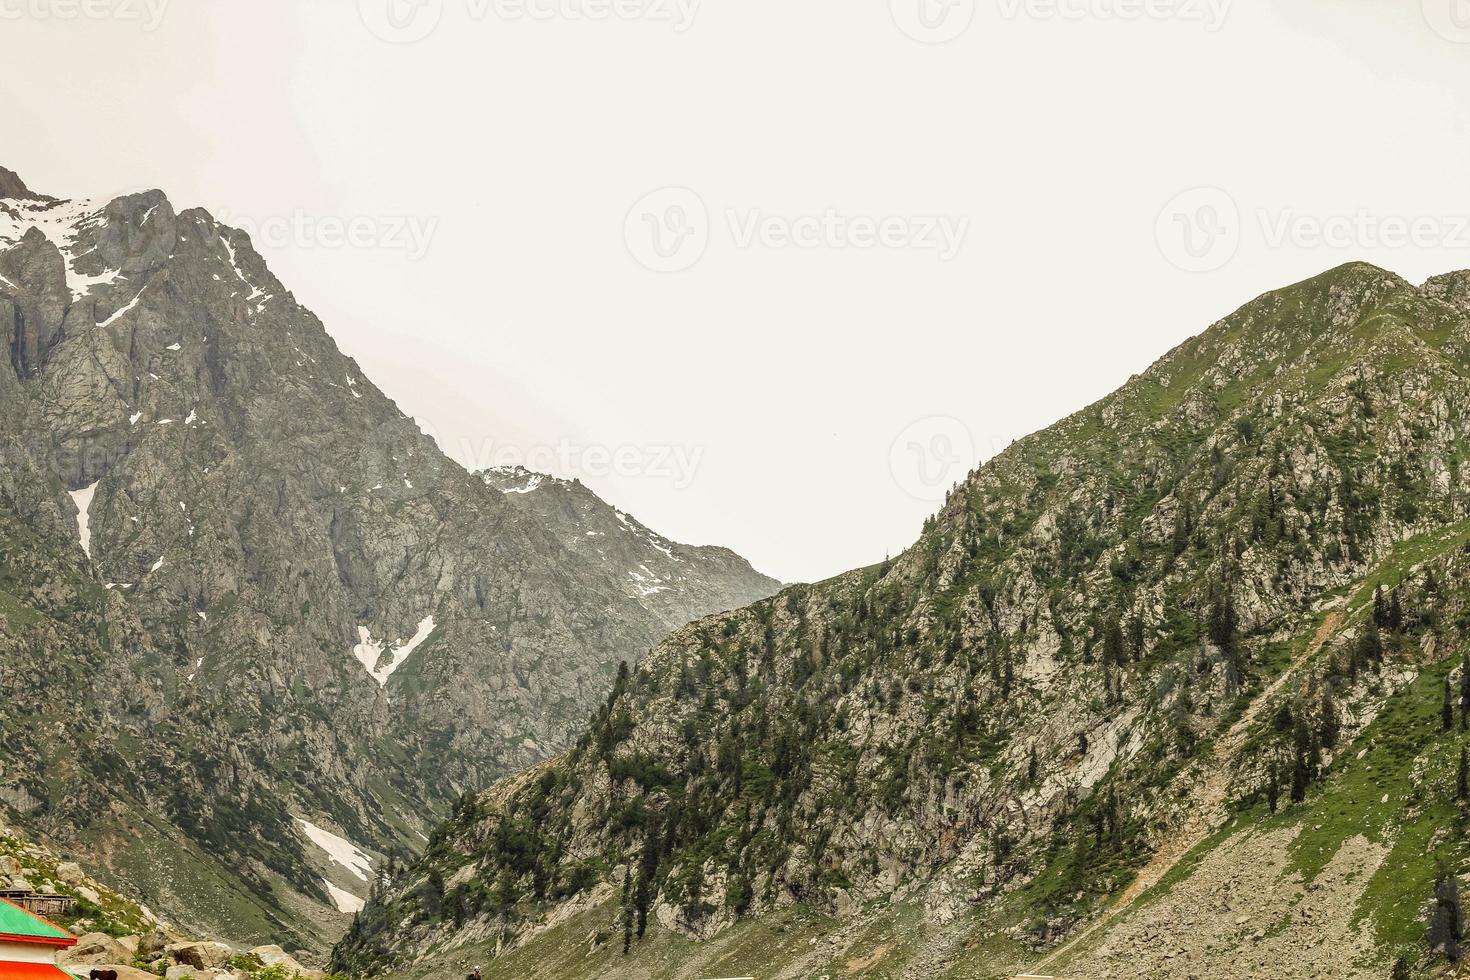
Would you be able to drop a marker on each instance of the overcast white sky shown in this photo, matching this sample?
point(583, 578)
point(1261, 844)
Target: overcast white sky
point(1003, 210)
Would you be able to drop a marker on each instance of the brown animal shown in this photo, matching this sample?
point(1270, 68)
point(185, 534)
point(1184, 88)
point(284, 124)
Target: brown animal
point(104, 975)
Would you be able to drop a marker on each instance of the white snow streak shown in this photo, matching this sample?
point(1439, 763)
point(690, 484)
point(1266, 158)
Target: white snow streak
point(83, 499)
point(369, 651)
point(339, 849)
point(344, 899)
point(119, 314)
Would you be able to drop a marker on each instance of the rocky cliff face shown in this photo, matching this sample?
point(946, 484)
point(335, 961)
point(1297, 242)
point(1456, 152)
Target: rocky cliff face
point(256, 631)
point(1185, 610)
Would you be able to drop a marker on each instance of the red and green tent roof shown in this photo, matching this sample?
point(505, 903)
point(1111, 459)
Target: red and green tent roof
point(19, 926)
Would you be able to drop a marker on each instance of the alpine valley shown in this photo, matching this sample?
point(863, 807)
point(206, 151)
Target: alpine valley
point(1176, 687)
point(257, 633)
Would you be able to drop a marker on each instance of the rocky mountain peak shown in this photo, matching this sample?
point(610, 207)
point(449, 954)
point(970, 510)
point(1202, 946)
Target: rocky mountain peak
point(1451, 287)
point(12, 187)
point(268, 583)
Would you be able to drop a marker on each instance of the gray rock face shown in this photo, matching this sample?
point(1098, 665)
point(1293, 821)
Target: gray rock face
point(11, 186)
point(288, 610)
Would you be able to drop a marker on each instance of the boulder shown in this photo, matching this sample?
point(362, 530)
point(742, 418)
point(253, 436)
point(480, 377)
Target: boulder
point(71, 873)
point(270, 955)
point(151, 945)
point(201, 956)
point(93, 949)
point(276, 956)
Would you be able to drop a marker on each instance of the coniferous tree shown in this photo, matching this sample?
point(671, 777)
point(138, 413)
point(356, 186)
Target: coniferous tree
point(1447, 924)
point(1081, 857)
point(1331, 730)
point(1462, 784)
point(1135, 636)
point(627, 910)
point(1380, 608)
point(643, 890)
point(1273, 787)
point(1370, 645)
point(1447, 710)
point(1301, 771)
point(1225, 624)
point(1113, 652)
point(1180, 538)
point(1465, 693)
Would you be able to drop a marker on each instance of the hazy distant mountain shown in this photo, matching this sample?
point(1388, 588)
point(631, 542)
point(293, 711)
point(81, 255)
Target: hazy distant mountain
point(256, 630)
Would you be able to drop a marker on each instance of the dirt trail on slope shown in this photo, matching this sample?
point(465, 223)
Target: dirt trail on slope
point(1209, 811)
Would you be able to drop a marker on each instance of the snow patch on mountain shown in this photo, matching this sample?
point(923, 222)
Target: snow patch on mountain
point(369, 652)
point(60, 222)
point(341, 850)
point(83, 500)
point(345, 901)
point(122, 312)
